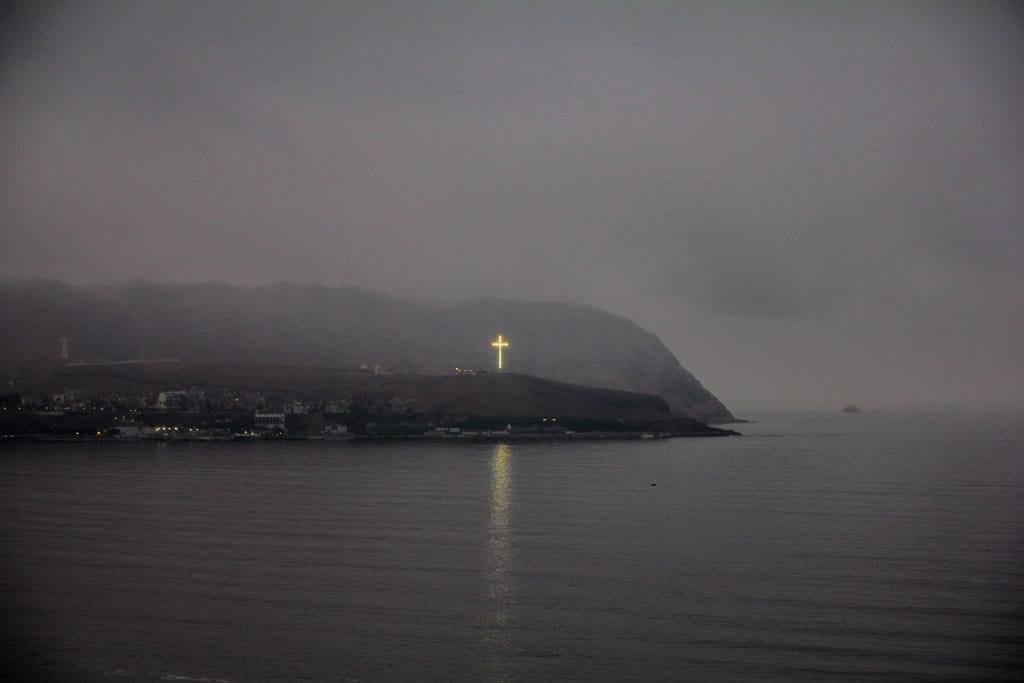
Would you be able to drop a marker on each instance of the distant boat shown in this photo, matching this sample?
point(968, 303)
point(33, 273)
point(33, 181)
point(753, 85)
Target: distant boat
point(851, 409)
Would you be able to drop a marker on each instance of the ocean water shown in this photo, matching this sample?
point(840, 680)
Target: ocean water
point(854, 548)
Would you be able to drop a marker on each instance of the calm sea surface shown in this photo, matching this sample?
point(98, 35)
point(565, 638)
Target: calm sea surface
point(869, 547)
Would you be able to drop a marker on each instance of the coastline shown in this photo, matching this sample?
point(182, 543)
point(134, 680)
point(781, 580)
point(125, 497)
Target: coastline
point(428, 437)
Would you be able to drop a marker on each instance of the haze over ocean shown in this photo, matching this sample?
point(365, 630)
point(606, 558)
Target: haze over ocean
point(869, 547)
point(803, 200)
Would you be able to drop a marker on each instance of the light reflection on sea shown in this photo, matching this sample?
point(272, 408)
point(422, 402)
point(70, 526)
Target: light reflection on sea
point(500, 591)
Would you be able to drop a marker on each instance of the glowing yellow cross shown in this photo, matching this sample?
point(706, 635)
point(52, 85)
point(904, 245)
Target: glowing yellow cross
point(499, 344)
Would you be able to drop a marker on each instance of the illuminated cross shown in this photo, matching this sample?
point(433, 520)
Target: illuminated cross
point(499, 344)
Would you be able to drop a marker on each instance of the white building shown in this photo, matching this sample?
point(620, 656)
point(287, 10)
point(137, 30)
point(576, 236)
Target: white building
point(294, 407)
point(172, 400)
point(269, 421)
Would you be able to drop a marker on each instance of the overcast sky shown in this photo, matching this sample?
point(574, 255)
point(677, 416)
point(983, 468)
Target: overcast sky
point(820, 200)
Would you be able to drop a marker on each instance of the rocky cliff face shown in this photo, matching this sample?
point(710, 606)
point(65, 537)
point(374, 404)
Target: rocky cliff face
point(311, 325)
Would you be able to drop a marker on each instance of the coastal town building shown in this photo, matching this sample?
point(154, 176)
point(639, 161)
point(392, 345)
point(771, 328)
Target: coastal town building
point(295, 407)
point(269, 421)
point(172, 400)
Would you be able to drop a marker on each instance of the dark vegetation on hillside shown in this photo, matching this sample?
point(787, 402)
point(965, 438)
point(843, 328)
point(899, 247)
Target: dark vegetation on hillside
point(374, 404)
point(506, 394)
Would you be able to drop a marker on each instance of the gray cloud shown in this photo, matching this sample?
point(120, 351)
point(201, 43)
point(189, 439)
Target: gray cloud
point(809, 178)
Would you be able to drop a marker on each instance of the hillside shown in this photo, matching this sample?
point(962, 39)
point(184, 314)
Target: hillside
point(491, 394)
point(342, 327)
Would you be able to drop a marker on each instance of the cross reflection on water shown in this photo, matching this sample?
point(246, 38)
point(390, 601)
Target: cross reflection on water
point(499, 591)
